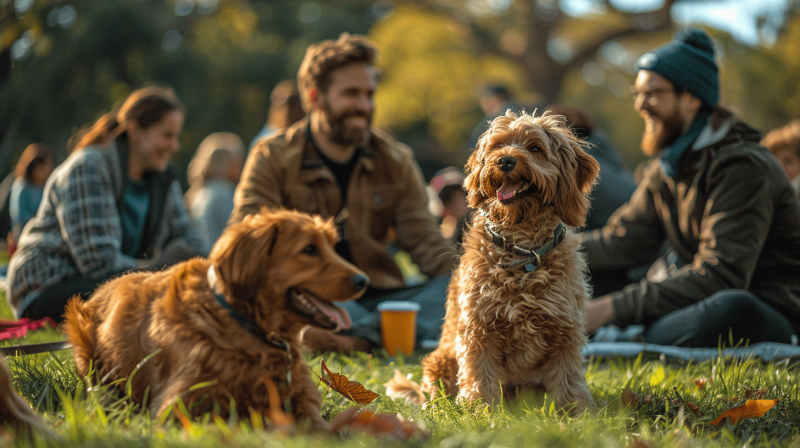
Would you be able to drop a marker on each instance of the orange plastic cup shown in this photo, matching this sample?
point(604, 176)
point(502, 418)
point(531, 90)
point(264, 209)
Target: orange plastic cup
point(399, 326)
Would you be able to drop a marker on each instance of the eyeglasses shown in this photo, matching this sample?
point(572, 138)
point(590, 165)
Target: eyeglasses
point(650, 96)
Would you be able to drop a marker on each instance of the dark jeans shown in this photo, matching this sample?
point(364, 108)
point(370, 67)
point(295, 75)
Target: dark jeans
point(730, 312)
point(53, 300)
point(431, 296)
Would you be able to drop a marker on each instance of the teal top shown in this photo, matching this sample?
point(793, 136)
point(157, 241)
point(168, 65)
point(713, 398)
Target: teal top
point(135, 206)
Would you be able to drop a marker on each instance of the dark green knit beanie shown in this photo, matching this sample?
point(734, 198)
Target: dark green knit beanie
point(688, 63)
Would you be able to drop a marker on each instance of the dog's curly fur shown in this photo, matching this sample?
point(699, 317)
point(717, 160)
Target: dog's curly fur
point(262, 265)
point(505, 328)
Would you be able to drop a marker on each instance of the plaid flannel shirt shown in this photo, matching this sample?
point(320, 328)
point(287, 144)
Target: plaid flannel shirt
point(77, 230)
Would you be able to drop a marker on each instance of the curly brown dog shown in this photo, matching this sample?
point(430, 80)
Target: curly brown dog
point(232, 320)
point(515, 306)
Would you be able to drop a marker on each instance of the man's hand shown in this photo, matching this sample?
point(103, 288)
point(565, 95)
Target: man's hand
point(599, 312)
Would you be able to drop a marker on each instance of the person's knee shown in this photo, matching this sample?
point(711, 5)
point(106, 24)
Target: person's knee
point(732, 305)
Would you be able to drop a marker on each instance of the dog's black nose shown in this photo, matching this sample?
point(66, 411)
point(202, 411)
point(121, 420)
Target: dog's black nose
point(507, 163)
point(360, 281)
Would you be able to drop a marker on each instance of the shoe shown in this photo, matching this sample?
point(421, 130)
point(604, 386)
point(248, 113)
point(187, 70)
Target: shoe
point(319, 340)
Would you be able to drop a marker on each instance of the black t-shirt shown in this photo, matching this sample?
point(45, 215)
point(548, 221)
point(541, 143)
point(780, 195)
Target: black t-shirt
point(342, 173)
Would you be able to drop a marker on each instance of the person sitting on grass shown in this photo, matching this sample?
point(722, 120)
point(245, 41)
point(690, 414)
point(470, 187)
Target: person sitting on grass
point(336, 164)
point(721, 202)
point(784, 144)
point(112, 206)
point(33, 168)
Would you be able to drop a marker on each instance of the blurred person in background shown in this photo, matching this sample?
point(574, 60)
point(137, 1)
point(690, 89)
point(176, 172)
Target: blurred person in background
point(336, 164)
point(784, 144)
point(285, 109)
point(213, 174)
point(494, 101)
point(615, 184)
point(114, 205)
point(452, 208)
point(33, 168)
point(721, 202)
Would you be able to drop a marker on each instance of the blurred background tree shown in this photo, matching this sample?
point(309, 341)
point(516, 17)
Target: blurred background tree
point(63, 62)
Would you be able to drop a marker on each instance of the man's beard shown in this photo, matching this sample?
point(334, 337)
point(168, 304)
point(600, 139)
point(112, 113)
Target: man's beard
point(664, 133)
point(343, 135)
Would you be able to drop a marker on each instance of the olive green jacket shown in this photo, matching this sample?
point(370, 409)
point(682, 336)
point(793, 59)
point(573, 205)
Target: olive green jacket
point(386, 193)
point(732, 217)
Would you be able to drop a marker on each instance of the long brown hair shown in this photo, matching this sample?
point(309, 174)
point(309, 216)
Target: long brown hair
point(145, 106)
point(34, 155)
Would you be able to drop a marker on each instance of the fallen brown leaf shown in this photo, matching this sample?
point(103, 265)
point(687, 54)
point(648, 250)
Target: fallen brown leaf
point(639, 443)
point(392, 425)
point(754, 394)
point(352, 390)
point(629, 398)
point(702, 381)
point(750, 409)
point(694, 408)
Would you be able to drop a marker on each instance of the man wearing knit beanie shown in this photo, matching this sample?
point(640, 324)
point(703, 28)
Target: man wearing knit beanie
point(720, 202)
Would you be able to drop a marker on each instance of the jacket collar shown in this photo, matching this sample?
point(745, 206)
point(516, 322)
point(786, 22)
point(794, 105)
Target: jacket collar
point(300, 135)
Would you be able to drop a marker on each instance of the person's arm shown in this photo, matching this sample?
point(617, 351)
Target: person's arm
point(599, 312)
point(633, 234)
point(731, 234)
point(417, 231)
point(180, 225)
point(259, 186)
point(90, 224)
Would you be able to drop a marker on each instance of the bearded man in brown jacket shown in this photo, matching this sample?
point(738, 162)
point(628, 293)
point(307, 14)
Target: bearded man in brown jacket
point(335, 164)
point(721, 203)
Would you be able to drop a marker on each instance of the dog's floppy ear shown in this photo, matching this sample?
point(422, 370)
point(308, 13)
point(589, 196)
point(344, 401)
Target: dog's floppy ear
point(472, 183)
point(580, 173)
point(241, 255)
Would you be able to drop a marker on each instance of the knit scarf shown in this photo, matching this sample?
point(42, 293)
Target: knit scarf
point(672, 156)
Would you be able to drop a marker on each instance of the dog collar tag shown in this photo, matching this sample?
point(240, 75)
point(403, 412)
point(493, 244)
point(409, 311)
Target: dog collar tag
point(529, 267)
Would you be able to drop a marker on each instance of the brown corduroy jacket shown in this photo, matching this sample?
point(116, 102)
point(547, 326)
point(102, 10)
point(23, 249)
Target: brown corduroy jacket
point(732, 218)
point(386, 191)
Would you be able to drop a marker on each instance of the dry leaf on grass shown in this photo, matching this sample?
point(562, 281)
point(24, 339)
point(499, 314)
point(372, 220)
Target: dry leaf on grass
point(391, 425)
point(695, 408)
point(629, 398)
point(352, 390)
point(702, 381)
point(750, 409)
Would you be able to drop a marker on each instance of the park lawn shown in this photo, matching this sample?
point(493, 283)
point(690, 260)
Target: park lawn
point(85, 415)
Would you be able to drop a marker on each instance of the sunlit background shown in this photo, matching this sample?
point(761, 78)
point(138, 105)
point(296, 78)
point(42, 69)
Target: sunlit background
point(64, 62)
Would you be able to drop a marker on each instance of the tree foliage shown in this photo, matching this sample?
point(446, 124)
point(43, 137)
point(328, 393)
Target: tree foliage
point(63, 62)
point(221, 57)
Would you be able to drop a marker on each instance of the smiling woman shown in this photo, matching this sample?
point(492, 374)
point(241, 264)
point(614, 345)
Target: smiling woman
point(114, 205)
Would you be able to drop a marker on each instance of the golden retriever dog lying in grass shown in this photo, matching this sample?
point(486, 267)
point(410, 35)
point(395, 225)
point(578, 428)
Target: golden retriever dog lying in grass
point(515, 306)
point(230, 321)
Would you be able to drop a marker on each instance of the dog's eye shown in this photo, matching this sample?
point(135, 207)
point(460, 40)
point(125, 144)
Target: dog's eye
point(534, 148)
point(311, 249)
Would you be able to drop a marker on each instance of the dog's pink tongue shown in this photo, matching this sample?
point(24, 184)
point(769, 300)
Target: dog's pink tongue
point(336, 314)
point(507, 191)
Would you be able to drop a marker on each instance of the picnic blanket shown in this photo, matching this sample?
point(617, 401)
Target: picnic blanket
point(766, 351)
point(19, 328)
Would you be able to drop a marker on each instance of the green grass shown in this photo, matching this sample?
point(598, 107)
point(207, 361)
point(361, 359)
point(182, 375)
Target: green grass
point(85, 415)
